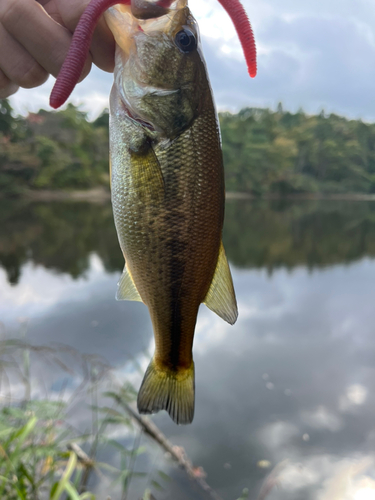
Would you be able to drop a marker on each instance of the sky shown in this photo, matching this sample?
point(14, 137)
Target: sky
point(315, 55)
point(292, 383)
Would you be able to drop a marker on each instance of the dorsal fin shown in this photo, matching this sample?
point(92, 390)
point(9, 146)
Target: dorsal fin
point(220, 297)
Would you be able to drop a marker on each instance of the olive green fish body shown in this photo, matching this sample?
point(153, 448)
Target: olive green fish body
point(168, 201)
point(171, 233)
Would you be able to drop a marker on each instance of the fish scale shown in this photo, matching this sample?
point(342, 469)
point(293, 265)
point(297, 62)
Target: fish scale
point(167, 184)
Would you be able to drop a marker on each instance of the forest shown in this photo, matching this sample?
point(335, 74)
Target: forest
point(265, 152)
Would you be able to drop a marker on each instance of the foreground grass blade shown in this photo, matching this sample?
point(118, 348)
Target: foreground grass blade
point(74, 495)
point(61, 487)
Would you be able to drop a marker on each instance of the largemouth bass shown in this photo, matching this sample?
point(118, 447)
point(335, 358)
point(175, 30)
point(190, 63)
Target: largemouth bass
point(167, 186)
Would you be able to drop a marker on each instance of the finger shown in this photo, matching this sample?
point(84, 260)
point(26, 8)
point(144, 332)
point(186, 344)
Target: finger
point(52, 9)
point(103, 43)
point(46, 40)
point(18, 65)
point(7, 88)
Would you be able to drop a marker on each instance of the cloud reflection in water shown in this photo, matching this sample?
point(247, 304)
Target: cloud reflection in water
point(292, 380)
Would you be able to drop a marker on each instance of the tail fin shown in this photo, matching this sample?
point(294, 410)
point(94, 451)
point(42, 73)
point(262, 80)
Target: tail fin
point(164, 389)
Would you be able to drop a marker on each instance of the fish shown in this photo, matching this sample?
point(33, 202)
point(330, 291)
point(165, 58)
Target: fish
point(167, 190)
point(168, 196)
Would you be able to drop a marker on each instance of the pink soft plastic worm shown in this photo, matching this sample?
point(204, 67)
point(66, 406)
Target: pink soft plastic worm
point(79, 48)
point(72, 67)
point(244, 31)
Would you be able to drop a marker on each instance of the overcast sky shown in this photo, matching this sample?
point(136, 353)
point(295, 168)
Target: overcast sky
point(315, 55)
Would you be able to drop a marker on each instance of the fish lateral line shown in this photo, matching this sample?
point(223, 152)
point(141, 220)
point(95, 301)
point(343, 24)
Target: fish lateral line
point(72, 67)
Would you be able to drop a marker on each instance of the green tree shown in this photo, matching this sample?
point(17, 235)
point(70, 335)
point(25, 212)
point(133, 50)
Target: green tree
point(7, 121)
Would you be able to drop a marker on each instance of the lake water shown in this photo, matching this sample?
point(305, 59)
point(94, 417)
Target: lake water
point(291, 386)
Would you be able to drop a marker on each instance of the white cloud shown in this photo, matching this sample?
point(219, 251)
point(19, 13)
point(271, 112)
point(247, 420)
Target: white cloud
point(345, 482)
point(355, 395)
point(322, 418)
point(210, 330)
point(332, 478)
point(310, 54)
point(278, 434)
point(39, 289)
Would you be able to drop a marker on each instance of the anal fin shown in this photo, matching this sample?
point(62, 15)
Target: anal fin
point(221, 298)
point(126, 288)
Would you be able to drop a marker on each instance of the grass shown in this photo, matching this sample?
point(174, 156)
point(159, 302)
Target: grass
point(42, 453)
point(39, 443)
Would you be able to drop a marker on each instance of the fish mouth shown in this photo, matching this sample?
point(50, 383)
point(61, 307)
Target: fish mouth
point(141, 15)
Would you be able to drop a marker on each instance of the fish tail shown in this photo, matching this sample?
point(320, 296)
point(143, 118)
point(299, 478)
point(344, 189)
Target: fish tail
point(166, 389)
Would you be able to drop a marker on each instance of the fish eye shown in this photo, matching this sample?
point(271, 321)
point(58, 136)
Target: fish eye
point(185, 40)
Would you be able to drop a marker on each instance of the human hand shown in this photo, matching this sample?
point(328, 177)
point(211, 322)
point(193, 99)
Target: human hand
point(34, 39)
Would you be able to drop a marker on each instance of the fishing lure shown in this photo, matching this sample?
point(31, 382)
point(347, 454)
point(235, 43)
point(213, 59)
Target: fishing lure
point(73, 65)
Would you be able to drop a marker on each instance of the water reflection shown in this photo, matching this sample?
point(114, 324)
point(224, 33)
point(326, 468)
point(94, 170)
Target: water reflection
point(61, 236)
point(303, 345)
point(290, 386)
point(309, 233)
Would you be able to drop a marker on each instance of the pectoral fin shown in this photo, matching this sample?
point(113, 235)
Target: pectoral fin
point(147, 177)
point(220, 297)
point(126, 288)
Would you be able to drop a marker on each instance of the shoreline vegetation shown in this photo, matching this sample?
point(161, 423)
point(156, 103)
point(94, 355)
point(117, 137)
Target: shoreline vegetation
point(43, 440)
point(50, 155)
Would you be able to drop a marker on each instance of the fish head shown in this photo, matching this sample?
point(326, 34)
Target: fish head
point(160, 71)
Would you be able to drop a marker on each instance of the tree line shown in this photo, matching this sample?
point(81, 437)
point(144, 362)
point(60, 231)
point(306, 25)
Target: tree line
point(52, 150)
point(265, 151)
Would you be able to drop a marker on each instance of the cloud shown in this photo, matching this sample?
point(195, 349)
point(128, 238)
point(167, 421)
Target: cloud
point(329, 477)
point(355, 395)
point(322, 418)
point(278, 434)
point(92, 95)
point(310, 54)
point(82, 313)
point(310, 334)
point(309, 60)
